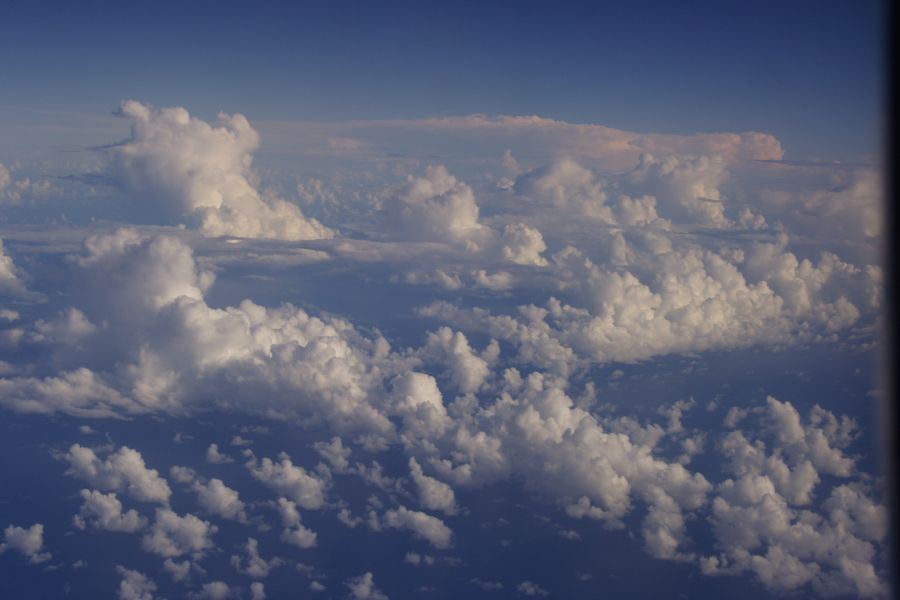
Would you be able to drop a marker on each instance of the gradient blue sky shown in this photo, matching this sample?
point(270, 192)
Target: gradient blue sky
point(508, 357)
point(808, 72)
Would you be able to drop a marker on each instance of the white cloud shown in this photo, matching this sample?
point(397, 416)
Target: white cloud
point(433, 494)
point(215, 590)
point(437, 207)
point(254, 565)
point(135, 585)
point(123, 471)
point(293, 481)
point(334, 452)
point(257, 591)
point(423, 526)
point(214, 456)
point(529, 588)
point(294, 532)
point(467, 370)
point(686, 187)
point(10, 282)
point(758, 520)
point(363, 587)
point(182, 168)
point(179, 571)
point(172, 535)
point(104, 511)
point(27, 542)
point(218, 499)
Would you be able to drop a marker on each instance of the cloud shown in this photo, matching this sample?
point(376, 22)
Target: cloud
point(766, 520)
point(529, 588)
point(423, 526)
point(254, 565)
point(173, 535)
point(294, 532)
point(215, 457)
point(482, 135)
point(10, 282)
point(436, 207)
point(135, 585)
point(433, 494)
point(218, 499)
point(183, 169)
point(335, 454)
point(363, 587)
point(257, 591)
point(215, 590)
point(123, 471)
point(104, 511)
point(293, 481)
point(467, 370)
point(27, 542)
point(535, 290)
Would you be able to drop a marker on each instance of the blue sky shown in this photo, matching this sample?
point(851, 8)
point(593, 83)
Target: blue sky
point(371, 301)
point(808, 72)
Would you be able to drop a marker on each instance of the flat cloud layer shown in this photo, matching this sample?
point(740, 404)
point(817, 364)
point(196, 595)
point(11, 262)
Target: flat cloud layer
point(490, 321)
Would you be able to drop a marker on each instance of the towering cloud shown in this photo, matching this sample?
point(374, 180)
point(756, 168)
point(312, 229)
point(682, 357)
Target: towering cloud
point(184, 170)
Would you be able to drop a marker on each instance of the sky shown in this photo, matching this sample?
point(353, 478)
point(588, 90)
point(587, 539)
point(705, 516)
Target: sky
point(808, 72)
point(406, 300)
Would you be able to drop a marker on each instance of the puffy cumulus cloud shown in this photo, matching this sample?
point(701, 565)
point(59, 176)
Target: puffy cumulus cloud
point(433, 493)
point(215, 590)
point(68, 328)
point(423, 526)
point(535, 431)
point(363, 587)
point(183, 168)
point(173, 535)
point(656, 193)
point(523, 245)
point(687, 187)
point(257, 591)
point(417, 399)
point(766, 519)
point(252, 564)
point(436, 207)
point(165, 349)
point(10, 282)
point(852, 210)
point(104, 512)
point(135, 585)
point(294, 532)
point(79, 392)
point(27, 542)
point(677, 300)
point(295, 482)
point(467, 370)
point(335, 453)
point(122, 471)
point(214, 456)
point(568, 187)
point(216, 498)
